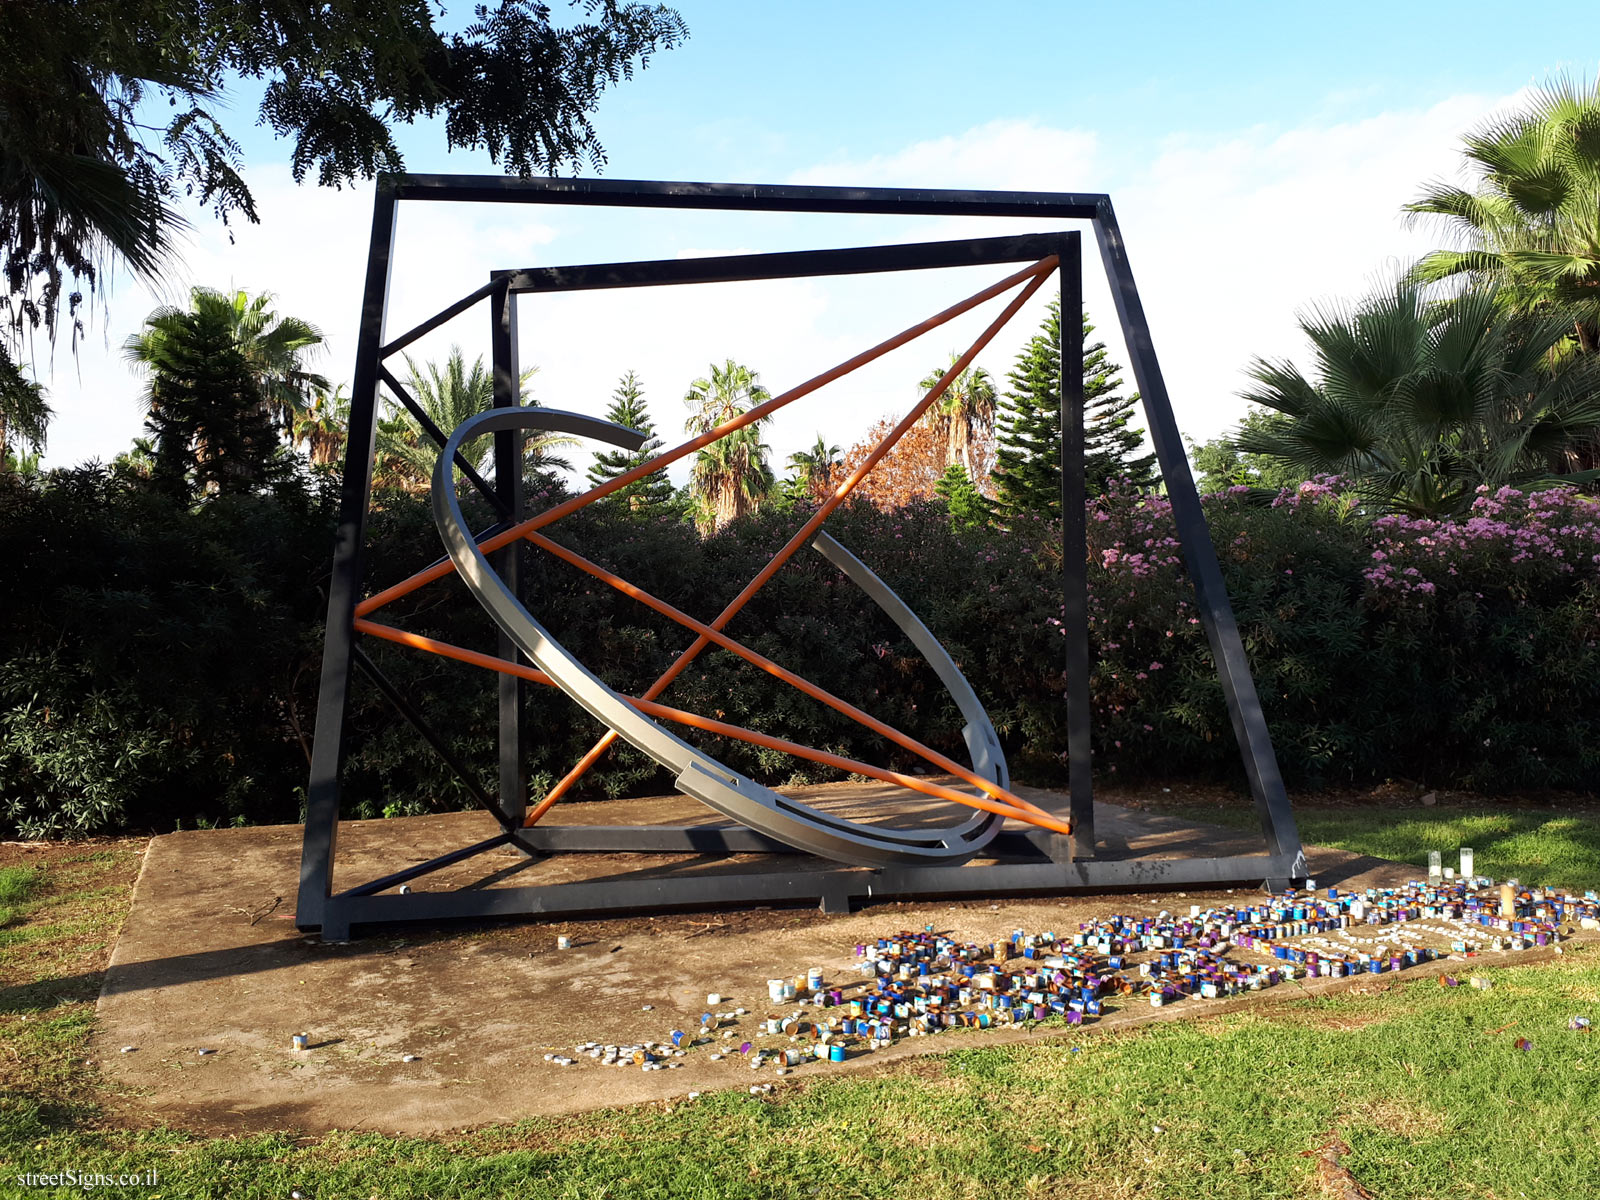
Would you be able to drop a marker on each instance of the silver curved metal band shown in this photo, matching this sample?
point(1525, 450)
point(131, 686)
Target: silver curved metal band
point(698, 775)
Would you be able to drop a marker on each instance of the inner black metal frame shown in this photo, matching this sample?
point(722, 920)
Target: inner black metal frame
point(1032, 861)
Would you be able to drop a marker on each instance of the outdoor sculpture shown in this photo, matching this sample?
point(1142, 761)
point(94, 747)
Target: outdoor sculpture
point(1052, 852)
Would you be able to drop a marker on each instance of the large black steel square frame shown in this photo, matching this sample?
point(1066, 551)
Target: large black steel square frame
point(1032, 862)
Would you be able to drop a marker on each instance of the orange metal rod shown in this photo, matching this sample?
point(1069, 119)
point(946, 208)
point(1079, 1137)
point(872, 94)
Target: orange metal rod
point(905, 741)
point(1031, 815)
point(593, 755)
point(1042, 270)
point(761, 411)
point(445, 650)
point(722, 728)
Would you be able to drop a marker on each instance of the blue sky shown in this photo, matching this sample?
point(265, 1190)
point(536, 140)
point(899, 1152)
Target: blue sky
point(844, 77)
point(1258, 155)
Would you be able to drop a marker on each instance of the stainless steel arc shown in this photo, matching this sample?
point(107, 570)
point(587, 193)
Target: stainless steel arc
point(697, 774)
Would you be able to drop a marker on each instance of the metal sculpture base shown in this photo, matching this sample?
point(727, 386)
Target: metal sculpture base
point(1029, 864)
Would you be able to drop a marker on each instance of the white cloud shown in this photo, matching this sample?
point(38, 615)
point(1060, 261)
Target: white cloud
point(308, 250)
point(1228, 236)
point(1002, 155)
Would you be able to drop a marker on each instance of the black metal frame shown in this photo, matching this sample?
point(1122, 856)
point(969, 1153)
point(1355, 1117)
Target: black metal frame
point(1035, 861)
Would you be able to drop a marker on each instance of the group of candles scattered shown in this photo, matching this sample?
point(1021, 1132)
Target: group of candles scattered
point(925, 982)
point(918, 983)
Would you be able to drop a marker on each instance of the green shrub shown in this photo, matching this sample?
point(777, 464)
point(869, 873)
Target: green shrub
point(160, 664)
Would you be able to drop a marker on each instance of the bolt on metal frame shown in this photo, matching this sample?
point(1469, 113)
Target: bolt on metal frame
point(1056, 855)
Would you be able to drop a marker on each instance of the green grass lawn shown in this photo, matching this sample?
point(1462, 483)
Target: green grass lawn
point(1424, 1084)
point(1537, 846)
point(17, 885)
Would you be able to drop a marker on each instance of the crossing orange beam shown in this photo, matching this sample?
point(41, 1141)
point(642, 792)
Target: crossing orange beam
point(1034, 277)
point(903, 740)
point(760, 412)
point(1029, 813)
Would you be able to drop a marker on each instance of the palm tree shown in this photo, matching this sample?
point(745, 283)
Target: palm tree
point(1420, 404)
point(814, 468)
point(276, 348)
point(24, 416)
point(322, 426)
point(449, 394)
point(964, 415)
point(273, 347)
point(138, 461)
point(1532, 224)
point(209, 405)
point(732, 476)
point(397, 454)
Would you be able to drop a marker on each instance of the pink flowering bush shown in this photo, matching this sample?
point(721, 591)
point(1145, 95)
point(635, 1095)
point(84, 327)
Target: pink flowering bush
point(1462, 654)
point(1292, 576)
point(1452, 652)
point(1526, 539)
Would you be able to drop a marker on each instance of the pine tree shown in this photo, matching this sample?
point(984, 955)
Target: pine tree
point(962, 499)
point(1028, 457)
point(653, 493)
point(1111, 443)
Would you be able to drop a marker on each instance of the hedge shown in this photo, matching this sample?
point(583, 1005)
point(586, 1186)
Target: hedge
point(158, 664)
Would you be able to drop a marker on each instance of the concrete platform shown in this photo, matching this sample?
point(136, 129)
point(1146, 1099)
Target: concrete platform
point(210, 959)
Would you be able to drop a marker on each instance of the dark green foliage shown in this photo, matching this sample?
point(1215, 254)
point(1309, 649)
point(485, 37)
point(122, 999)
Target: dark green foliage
point(966, 504)
point(1419, 404)
point(651, 495)
point(83, 184)
point(212, 429)
point(1219, 464)
point(24, 415)
point(159, 660)
point(1028, 453)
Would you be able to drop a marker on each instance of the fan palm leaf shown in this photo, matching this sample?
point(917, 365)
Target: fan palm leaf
point(1531, 226)
point(275, 347)
point(448, 393)
point(1418, 404)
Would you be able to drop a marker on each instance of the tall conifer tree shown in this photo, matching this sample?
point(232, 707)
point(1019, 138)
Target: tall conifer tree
point(653, 493)
point(1027, 458)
